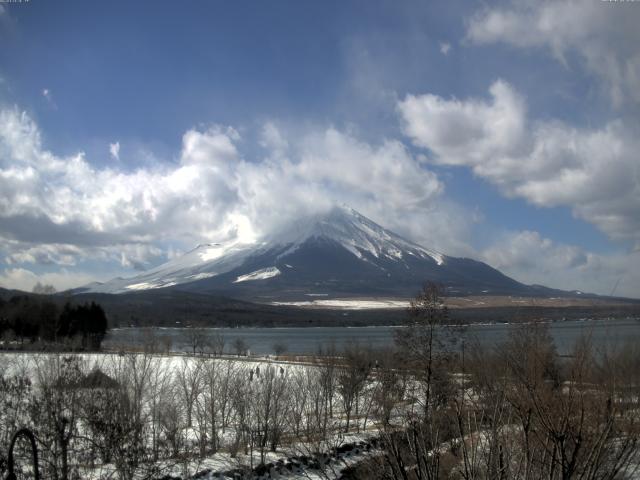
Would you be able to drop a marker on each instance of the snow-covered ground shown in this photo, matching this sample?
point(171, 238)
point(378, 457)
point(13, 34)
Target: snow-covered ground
point(297, 456)
point(285, 461)
point(348, 304)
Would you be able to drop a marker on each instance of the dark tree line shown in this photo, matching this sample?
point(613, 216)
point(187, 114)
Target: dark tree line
point(33, 319)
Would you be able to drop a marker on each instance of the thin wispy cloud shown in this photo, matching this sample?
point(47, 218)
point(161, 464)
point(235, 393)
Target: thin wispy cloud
point(48, 96)
point(114, 150)
point(605, 38)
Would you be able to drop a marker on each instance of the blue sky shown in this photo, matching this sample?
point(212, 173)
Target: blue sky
point(130, 131)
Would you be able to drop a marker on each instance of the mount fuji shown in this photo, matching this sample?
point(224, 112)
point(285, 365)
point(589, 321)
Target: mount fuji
point(340, 253)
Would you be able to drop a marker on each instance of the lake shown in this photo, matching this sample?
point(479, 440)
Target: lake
point(609, 332)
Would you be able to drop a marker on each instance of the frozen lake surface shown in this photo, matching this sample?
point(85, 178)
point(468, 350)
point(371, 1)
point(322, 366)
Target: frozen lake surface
point(304, 340)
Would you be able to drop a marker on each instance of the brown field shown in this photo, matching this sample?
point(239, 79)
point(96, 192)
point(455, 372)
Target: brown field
point(493, 301)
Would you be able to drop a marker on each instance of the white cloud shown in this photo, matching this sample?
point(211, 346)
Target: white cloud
point(273, 140)
point(53, 254)
point(466, 132)
point(135, 255)
point(23, 279)
point(445, 48)
point(64, 210)
point(48, 96)
point(595, 172)
point(604, 35)
point(326, 167)
point(114, 150)
point(533, 259)
point(104, 205)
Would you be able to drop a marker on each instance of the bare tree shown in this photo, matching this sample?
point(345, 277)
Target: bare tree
point(390, 387)
point(422, 342)
point(56, 410)
point(533, 415)
point(188, 379)
point(196, 339)
point(217, 343)
point(170, 425)
point(241, 400)
point(422, 346)
point(128, 419)
point(15, 401)
point(44, 289)
point(300, 399)
point(279, 348)
point(328, 362)
point(240, 346)
point(317, 418)
point(217, 379)
point(352, 375)
point(161, 386)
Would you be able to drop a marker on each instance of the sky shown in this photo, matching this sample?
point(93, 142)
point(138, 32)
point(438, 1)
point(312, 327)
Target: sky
point(507, 132)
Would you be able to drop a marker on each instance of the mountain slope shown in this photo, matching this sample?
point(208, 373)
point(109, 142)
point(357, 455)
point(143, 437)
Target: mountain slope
point(340, 253)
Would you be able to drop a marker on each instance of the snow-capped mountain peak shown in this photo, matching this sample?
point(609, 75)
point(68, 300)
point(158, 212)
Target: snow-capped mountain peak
point(353, 231)
point(335, 251)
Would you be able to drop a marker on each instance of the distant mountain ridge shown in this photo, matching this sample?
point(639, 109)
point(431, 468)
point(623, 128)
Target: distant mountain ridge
point(336, 254)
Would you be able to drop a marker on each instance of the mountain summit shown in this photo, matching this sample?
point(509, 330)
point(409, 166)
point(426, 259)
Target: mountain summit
point(354, 232)
point(338, 253)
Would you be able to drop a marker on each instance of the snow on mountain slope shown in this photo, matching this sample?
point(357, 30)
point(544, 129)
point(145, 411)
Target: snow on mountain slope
point(204, 261)
point(339, 252)
point(261, 274)
point(354, 232)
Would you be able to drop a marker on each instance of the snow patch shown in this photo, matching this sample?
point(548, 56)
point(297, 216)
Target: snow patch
point(200, 276)
point(437, 257)
point(140, 286)
point(261, 274)
point(149, 285)
point(347, 304)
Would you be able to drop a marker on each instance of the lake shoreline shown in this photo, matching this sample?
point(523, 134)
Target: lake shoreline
point(308, 340)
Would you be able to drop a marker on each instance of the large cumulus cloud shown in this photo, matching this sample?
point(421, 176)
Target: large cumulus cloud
point(64, 210)
point(593, 171)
